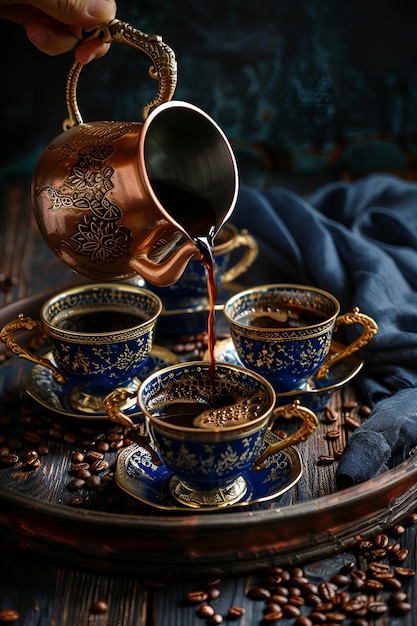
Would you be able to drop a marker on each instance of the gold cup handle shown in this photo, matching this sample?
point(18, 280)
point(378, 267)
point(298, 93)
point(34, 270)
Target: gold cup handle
point(27, 323)
point(370, 328)
point(250, 246)
point(112, 405)
point(163, 68)
point(288, 411)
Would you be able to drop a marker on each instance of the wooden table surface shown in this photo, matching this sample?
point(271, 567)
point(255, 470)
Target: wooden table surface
point(39, 589)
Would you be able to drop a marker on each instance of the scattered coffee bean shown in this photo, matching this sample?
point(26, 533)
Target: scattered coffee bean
point(75, 484)
point(349, 404)
point(9, 615)
point(400, 608)
point(330, 415)
point(364, 410)
point(205, 610)
point(197, 596)
point(235, 612)
point(351, 423)
point(271, 618)
point(213, 593)
point(332, 434)
point(99, 606)
point(259, 593)
point(215, 619)
point(326, 459)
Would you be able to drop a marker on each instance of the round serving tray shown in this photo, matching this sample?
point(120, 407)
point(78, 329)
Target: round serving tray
point(156, 545)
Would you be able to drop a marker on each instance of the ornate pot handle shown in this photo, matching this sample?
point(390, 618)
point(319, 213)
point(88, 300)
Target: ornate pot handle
point(163, 68)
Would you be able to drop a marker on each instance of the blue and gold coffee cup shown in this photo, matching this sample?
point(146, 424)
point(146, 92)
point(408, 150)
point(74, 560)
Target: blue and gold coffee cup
point(100, 337)
point(209, 431)
point(284, 332)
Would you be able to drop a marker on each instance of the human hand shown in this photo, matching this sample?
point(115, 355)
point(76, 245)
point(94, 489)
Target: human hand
point(55, 26)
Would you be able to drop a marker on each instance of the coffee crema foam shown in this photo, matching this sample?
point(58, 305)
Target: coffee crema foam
point(227, 410)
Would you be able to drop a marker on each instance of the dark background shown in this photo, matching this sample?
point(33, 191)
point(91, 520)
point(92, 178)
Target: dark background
point(306, 90)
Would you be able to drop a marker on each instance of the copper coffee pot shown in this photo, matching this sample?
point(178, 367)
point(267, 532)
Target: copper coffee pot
point(114, 199)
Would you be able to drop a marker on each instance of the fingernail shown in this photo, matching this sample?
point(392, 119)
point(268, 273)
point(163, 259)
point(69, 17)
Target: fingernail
point(38, 36)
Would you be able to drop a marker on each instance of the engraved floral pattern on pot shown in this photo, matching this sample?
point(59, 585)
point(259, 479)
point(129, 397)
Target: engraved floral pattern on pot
point(100, 234)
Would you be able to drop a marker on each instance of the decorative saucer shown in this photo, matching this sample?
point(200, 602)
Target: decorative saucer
point(139, 477)
point(318, 391)
point(41, 387)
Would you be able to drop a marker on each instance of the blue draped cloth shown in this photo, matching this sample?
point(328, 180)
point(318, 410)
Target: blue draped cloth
point(358, 241)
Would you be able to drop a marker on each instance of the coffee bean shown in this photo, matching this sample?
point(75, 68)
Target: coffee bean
point(270, 618)
point(99, 465)
point(197, 596)
point(271, 607)
point(397, 530)
point(303, 620)
point(353, 606)
point(294, 591)
point(351, 422)
point(9, 459)
point(379, 568)
point(317, 617)
point(297, 572)
point(400, 608)
point(349, 404)
point(336, 618)
point(92, 483)
point(289, 610)
point(313, 599)
point(330, 415)
point(94, 455)
point(332, 434)
point(377, 608)
point(392, 584)
point(83, 474)
point(76, 467)
point(75, 484)
point(215, 619)
point(364, 410)
point(404, 572)
point(205, 610)
point(235, 612)
point(99, 607)
point(213, 593)
point(102, 446)
point(381, 541)
point(373, 585)
point(259, 593)
point(326, 459)
point(76, 501)
point(9, 615)
point(347, 568)
point(279, 599)
point(341, 580)
point(327, 591)
point(397, 596)
point(281, 590)
point(32, 437)
point(400, 555)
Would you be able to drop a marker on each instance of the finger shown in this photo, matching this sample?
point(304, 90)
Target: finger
point(89, 50)
point(78, 12)
point(50, 36)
